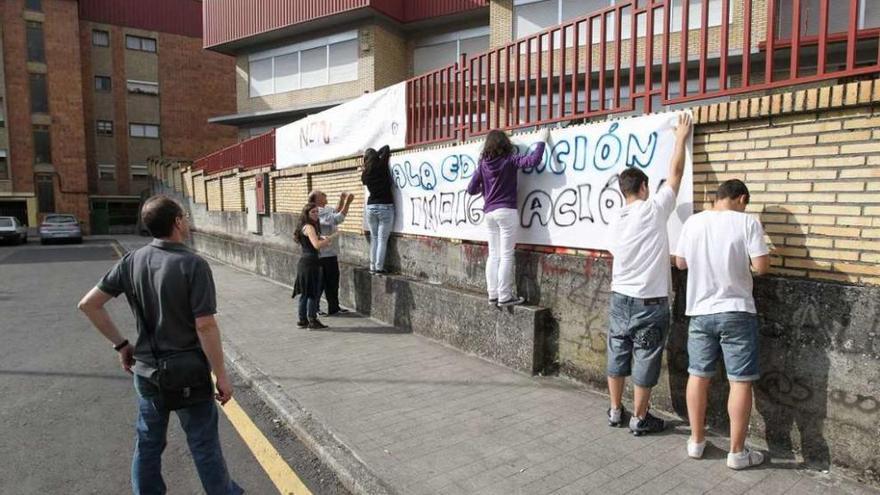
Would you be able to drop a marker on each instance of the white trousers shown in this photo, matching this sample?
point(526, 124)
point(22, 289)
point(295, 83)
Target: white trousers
point(501, 224)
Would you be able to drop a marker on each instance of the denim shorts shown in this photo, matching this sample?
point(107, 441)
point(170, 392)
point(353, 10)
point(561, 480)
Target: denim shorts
point(733, 335)
point(636, 337)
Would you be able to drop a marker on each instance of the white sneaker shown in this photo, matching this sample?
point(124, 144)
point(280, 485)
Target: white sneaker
point(745, 459)
point(695, 450)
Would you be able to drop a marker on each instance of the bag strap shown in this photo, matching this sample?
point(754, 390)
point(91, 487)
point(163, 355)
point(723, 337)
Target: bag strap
point(140, 315)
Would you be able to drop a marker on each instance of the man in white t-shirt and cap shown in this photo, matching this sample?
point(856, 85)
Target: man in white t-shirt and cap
point(717, 247)
point(640, 283)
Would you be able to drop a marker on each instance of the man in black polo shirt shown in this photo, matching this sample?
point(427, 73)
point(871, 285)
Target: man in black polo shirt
point(174, 291)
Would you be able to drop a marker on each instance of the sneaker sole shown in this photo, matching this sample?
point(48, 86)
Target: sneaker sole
point(639, 433)
point(506, 304)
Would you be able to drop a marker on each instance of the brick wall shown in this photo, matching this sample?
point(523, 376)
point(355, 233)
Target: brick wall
point(289, 194)
point(214, 195)
point(195, 84)
point(232, 195)
point(199, 191)
point(61, 32)
point(811, 159)
point(500, 22)
point(64, 89)
point(391, 54)
point(344, 181)
point(812, 162)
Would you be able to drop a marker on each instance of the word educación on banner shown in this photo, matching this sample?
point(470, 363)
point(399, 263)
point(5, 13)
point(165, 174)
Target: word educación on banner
point(568, 200)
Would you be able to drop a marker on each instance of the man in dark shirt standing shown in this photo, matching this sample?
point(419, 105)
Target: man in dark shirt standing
point(174, 290)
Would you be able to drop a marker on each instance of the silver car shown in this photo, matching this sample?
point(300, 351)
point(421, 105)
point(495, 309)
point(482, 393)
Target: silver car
point(56, 227)
point(12, 230)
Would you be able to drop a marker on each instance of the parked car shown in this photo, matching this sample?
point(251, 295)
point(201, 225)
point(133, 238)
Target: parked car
point(12, 230)
point(56, 227)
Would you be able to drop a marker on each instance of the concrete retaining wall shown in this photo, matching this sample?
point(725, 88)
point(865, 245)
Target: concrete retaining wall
point(818, 399)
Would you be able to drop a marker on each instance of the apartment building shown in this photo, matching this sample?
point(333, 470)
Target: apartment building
point(92, 88)
point(298, 58)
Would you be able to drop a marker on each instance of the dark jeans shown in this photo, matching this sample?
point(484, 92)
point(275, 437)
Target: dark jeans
point(308, 307)
point(199, 422)
point(330, 282)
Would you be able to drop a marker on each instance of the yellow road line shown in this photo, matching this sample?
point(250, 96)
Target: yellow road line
point(284, 478)
point(118, 251)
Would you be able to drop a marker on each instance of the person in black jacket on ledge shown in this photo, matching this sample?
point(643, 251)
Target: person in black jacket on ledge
point(380, 206)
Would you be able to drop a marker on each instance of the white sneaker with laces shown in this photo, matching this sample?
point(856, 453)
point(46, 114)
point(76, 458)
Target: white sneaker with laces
point(695, 450)
point(745, 459)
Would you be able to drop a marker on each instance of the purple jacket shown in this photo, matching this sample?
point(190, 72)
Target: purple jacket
point(496, 178)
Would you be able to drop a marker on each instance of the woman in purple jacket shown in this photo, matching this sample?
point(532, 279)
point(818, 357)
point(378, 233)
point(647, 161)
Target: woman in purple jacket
point(495, 179)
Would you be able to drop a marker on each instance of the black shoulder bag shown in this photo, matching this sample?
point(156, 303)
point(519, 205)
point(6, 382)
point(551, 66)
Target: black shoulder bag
point(184, 377)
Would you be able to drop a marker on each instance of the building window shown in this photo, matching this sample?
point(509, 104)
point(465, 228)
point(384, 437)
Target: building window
point(440, 51)
point(102, 83)
point(143, 87)
point(106, 172)
point(318, 62)
point(104, 127)
point(100, 38)
point(139, 43)
point(531, 16)
point(35, 5)
point(36, 49)
point(4, 166)
point(838, 17)
point(45, 193)
point(144, 130)
point(39, 96)
point(139, 172)
point(42, 145)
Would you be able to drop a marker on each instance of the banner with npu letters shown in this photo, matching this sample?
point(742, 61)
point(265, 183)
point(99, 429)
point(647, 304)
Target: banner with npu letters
point(568, 200)
point(369, 121)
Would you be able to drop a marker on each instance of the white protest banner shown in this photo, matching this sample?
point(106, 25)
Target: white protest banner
point(568, 200)
point(369, 121)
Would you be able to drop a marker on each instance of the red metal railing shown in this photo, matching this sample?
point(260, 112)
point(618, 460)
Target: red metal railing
point(591, 66)
point(256, 152)
point(605, 63)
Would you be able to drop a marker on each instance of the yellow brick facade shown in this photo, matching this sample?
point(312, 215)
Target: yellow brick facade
point(811, 162)
point(199, 192)
point(335, 183)
point(289, 194)
point(232, 195)
point(214, 195)
point(813, 166)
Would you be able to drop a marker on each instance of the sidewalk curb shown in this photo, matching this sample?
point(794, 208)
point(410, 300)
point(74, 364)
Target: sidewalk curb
point(351, 471)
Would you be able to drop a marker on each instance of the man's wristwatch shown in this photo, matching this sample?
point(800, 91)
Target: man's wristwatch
point(120, 345)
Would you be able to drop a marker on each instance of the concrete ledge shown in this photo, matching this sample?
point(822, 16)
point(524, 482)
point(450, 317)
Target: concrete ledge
point(517, 337)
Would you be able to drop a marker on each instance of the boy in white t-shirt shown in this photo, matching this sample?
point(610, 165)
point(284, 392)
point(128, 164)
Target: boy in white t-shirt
point(717, 247)
point(640, 281)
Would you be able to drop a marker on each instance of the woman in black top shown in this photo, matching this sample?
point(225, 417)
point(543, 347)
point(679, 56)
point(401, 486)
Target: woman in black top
point(308, 270)
point(380, 206)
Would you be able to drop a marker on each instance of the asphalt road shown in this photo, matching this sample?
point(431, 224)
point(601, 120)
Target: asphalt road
point(67, 410)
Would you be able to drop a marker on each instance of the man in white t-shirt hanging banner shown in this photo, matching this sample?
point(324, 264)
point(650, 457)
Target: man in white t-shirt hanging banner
point(641, 278)
point(369, 121)
point(717, 247)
